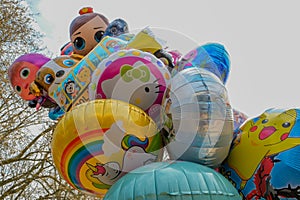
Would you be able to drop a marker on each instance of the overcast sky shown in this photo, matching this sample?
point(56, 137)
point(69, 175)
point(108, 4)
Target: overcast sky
point(262, 38)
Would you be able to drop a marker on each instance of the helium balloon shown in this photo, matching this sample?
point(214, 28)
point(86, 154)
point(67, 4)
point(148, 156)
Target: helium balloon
point(49, 76)
point(133, 76)
point(23, 71)
point(264, 160)
point(67, 49)
point(239, 118)
point(97, 142)
point(212, 57)
point(71, 88)
point(22, 74)
point(173, 181)
point(202, 117)
point(116, 28)
point(119, 29)
point(86, 30)
point(54, 72)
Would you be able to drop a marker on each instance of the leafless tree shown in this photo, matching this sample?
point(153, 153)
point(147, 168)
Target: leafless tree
point(26, 167)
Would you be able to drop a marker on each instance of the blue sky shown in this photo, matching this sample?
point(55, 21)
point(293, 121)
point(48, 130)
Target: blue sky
point(262, 38)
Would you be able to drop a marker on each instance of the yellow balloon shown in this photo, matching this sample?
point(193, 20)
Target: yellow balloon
point(98, 142)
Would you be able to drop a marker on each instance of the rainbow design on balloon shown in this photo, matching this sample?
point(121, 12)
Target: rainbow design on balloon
point(77, 153)
point(131, 140)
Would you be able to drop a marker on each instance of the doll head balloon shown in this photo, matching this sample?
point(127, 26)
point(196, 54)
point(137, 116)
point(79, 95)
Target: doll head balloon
point(87, 30)
point(22, 73)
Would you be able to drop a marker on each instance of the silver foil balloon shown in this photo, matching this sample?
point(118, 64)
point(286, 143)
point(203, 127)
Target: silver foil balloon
point(202, 118)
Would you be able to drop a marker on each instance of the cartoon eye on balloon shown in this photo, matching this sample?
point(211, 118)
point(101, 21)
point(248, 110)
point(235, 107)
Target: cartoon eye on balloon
point(48, 79)
point(69, 62)
point(98, 36)
point(79, 43)
point(18, 89)
point(25, 73)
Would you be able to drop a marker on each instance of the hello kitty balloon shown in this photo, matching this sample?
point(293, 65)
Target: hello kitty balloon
point(132, 76)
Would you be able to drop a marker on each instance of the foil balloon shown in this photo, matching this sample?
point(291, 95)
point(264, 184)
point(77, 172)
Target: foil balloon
point(98, 142)
point(212, 57)
point(202, 117)
point(263, 162)
point(239, 118)
point(173, 181)
point(54, 72)
point(86, 30)
point(133, 76)
point(67, 49)
point(49, 77)
point(71, 87)
point(116, 28)
point(22, 73)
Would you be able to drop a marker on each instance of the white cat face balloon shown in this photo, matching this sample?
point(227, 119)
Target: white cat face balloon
point(132, 76)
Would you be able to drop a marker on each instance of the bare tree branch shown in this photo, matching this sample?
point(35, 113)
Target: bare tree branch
point(27, 170)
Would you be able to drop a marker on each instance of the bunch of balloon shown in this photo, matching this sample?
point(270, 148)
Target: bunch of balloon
point(108, 129)
point(118, 105)
point(263, 161)
point(202, 117)
point(173, 180)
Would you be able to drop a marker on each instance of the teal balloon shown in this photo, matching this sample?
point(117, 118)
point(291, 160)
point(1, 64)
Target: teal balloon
point(176, 180)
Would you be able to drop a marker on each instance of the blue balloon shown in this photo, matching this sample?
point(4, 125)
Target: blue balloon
point(239, 118)
point(116, 28)
point(173, 181)
point(212, 57)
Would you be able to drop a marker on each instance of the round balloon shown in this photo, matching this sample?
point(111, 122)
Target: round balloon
point(212, 57)
point(98, 142)
point(173, 181)
point(202, 117)
point(132, 76)
point(264, 160)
